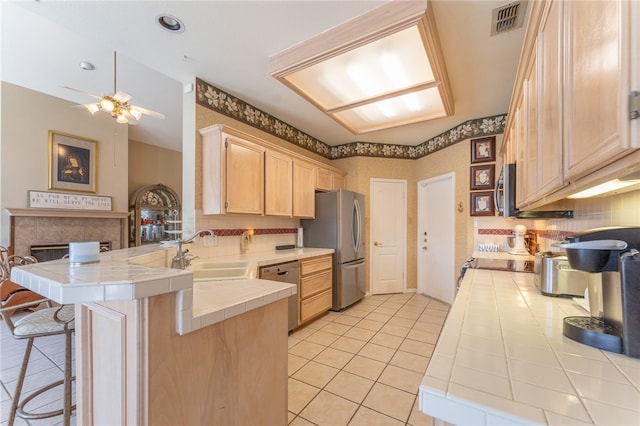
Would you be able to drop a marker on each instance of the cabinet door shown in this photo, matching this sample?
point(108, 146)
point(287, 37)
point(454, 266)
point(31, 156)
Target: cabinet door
point(304, 199)
point(339, 181)
point(598, 83)
point(278, 184)
point(324, 181)
point(531, 132)
point(244, 176)
point(550, 155)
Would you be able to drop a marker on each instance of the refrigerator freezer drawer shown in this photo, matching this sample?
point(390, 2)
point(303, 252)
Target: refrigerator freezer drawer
point(349, 285)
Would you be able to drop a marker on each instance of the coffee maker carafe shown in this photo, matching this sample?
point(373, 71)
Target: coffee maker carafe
point(613, 252)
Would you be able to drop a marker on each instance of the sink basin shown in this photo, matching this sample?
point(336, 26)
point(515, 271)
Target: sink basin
point(211, 270)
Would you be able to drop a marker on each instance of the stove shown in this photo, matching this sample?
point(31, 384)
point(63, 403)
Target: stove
point(510, 265)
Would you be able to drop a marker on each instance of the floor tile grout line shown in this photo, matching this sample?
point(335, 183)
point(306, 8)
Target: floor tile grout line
point(415, 395)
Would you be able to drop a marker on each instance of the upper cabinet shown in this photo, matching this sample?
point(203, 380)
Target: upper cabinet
point(598, 66)
point(304, 183)
point(232, 174)
point(244, 174)
point(569, 123)
point(278, 191)
point(327, 180)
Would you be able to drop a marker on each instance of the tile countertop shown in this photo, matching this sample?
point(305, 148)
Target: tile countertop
point(139, 272)
point(502, 359)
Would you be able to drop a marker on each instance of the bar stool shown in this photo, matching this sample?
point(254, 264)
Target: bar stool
point(44, 322)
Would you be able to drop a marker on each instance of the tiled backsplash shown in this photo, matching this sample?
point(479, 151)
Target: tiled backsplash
point(269, 232)
point(617, 210)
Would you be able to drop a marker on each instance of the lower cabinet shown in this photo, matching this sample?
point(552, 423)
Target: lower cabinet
point(316, 297)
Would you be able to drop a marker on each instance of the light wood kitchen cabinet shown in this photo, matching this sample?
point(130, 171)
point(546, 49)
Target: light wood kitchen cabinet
point(232, 174)
point(527, 166)
point(315, 293)
point(600, 60)
point(588, 65)
point(304, 183)
point(550, 45)
point(278, 191)
point(327, 180)
point(244, 174)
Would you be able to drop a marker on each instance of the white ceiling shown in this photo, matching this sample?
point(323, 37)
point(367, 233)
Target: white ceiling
point(228, 44)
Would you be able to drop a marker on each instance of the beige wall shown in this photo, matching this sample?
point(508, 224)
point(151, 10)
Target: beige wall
point(27, 117)
point(151, 165)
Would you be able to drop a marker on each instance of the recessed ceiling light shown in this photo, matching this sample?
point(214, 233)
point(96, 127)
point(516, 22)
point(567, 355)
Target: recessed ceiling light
point(170, 23)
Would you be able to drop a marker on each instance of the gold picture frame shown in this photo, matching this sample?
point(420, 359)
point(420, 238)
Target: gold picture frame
point(72, 162)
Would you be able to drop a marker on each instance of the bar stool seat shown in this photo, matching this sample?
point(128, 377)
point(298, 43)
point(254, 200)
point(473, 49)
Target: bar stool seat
point(45, 322)
point(41, 322)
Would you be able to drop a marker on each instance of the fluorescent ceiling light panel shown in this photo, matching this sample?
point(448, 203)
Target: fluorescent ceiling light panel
point(382, 69)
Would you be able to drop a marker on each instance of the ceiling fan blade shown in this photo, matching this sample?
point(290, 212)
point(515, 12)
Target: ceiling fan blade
point(149, 112)
point(83, 92)
point(122, 96)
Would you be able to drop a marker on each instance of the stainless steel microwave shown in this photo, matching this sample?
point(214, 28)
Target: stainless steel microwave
point(504, 197)
point(504, 194)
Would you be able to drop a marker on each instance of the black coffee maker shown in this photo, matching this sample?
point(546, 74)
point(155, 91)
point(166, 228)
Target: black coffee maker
point(613, 252)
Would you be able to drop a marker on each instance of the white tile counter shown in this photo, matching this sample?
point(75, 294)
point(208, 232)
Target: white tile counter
point(139, 272)
point(502, 359)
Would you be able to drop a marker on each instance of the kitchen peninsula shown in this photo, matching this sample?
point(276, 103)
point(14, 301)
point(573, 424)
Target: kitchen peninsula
point(142, 357)
point(502, 359)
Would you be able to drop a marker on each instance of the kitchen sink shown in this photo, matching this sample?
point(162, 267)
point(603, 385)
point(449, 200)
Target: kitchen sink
point(209, 270)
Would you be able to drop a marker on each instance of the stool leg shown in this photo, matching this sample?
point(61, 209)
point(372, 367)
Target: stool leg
point(18, 391)
point(67, 378)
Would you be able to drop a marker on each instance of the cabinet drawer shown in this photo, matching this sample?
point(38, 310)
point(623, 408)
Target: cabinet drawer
point(315, 305)
point(309, 266)
point(315, 284)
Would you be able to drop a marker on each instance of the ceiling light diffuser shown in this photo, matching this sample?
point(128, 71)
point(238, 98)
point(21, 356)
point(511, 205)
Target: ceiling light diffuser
point(382, 69)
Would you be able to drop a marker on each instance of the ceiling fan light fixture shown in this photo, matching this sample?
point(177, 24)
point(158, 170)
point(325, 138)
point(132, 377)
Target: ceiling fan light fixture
point(106, 104)
point(380, 70)
point(93, 108)
point(135, 113)
point(122, 119)
point(170, 23)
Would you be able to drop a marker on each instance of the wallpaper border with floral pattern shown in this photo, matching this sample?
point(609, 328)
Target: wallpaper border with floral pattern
point(220, 101)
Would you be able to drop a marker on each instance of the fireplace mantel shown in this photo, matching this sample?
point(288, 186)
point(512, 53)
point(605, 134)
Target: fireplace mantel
point(67, 213)
point(36, 226)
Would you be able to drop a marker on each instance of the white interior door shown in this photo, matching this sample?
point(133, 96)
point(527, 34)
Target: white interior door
point(436, 237)
point(388, 235)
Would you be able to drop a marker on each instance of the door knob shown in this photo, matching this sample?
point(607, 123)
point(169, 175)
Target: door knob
point(377, 244)
point(424, 247)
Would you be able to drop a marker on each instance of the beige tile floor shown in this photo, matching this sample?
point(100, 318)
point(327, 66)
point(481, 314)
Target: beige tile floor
point(361, 366)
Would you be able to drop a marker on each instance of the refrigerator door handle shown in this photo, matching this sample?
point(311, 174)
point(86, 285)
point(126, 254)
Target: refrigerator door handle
point(357, 225)
point(353, 265)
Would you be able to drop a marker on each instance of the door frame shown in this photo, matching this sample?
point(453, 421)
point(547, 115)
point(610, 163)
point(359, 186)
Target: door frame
point(420, 273)
point(372, 181)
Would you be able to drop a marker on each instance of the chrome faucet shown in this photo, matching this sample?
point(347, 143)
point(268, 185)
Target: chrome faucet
point(182, 259)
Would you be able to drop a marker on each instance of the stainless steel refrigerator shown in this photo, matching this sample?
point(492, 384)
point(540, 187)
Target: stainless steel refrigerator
point(339, 224)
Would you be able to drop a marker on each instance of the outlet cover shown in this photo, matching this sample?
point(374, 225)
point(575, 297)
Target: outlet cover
point(210, 240)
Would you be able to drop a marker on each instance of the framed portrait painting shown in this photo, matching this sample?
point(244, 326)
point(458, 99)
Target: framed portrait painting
point(482, 204)
point(483, 149)
point(482, 177)
point(72, 162)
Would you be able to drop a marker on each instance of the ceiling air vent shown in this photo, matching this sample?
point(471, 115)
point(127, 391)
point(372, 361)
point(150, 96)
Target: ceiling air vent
point(508, 17)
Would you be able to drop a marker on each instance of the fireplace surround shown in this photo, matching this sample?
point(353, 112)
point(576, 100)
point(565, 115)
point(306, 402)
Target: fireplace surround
point(38, 227)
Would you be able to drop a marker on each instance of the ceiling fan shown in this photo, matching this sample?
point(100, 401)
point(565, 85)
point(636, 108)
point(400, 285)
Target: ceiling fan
point(117, 104)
